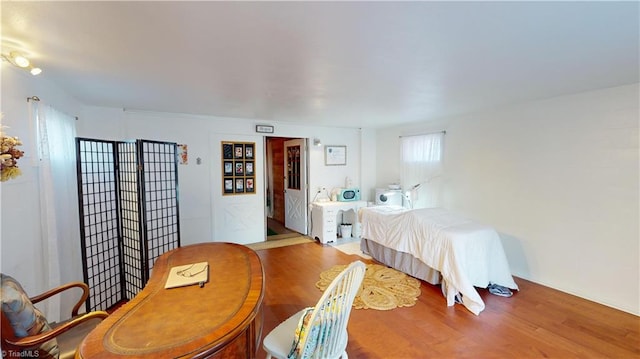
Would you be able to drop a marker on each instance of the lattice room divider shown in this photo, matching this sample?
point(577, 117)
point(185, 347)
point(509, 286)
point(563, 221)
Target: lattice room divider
point(128, 200)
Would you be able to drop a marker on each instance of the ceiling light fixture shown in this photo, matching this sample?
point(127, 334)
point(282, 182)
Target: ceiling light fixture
point(17, 59)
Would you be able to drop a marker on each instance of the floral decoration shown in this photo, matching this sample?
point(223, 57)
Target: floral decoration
point(9, 155)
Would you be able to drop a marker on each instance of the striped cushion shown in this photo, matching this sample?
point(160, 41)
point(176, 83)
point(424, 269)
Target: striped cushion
point(303, 329)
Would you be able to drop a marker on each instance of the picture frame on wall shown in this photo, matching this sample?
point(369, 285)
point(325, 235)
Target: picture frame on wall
point(228, 185)
point(239, 185)
point(248, 152)
point(183, 154)
point(238, 151)
point(238, 168)
point(335, 155)
point(250, 185)
point(228, 168)
point(227, 151)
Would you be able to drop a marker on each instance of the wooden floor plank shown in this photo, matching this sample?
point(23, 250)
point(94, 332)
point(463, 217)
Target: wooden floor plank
point(535, 322)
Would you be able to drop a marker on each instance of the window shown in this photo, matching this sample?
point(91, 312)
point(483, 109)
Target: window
point(421, 157)
point(422, 148)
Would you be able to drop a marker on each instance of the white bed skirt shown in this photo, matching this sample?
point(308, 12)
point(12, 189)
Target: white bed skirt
point(401, 261)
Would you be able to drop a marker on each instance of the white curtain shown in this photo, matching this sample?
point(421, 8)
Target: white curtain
point(60, 239)
point(421, 168)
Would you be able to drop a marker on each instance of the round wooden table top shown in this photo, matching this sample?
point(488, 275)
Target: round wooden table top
point(186, 321)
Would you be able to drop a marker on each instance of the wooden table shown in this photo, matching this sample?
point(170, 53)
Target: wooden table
point(223, 319)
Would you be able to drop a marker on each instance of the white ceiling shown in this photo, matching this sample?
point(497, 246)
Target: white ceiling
point(355, 64)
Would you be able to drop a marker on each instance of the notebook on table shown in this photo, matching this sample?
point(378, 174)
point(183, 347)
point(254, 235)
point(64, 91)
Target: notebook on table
point(188, 274)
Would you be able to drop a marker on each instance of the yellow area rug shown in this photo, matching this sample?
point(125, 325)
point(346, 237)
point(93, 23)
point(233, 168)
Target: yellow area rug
point(382, 288)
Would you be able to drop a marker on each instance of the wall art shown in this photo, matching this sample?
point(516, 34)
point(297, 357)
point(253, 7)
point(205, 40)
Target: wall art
point(238, 168)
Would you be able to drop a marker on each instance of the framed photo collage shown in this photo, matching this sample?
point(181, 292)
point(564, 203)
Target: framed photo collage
point(238, 168)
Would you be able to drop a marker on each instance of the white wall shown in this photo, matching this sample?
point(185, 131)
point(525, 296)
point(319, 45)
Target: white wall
point(558, 178)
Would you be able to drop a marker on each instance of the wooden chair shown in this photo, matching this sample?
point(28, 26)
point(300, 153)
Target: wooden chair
point(36, 337)
point(321, 331)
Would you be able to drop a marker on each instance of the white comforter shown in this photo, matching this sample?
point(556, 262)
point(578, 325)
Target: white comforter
point(466, 253)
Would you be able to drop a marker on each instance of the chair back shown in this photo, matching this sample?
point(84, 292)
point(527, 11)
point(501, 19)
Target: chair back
point(327, 336)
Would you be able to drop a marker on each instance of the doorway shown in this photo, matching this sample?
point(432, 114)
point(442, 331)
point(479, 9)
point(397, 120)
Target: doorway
point(286, 192)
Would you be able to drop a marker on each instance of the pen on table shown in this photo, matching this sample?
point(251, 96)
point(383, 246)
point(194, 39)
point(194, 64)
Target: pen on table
point(201, 284)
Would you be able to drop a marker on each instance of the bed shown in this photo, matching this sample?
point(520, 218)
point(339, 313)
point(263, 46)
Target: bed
point(439, 247)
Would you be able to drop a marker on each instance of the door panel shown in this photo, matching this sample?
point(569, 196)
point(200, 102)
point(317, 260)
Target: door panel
point(277, 147)
point(295, 192)
point(238, 218)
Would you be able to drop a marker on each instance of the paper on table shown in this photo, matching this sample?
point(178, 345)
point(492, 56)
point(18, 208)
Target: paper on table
point(188, 274)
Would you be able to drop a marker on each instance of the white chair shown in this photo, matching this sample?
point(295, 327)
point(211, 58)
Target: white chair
point(325, 332)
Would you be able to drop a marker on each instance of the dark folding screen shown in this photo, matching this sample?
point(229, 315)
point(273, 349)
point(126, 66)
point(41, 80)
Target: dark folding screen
point(160, 198)
point(128, 194)
point(133, 250)
point(99, 228)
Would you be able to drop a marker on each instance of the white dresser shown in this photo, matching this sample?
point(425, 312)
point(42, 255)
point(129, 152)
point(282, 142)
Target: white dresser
point(326, 217)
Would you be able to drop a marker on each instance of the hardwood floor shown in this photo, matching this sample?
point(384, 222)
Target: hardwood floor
point(280, 230)
point(536, 322)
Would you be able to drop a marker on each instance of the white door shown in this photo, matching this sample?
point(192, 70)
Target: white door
point(239, 214)
point(295, 185)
